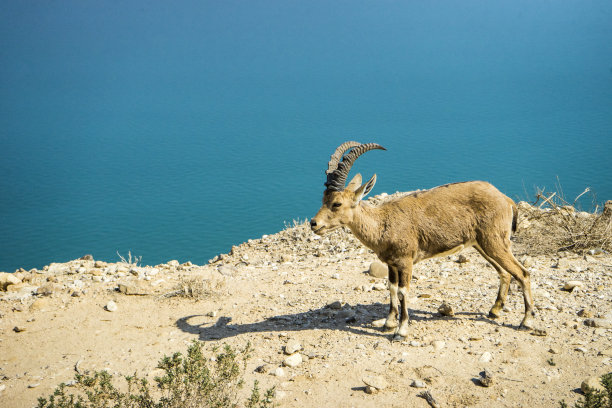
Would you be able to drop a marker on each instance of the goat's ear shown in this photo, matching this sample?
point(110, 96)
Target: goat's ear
point(364, 189)
point(354, 184)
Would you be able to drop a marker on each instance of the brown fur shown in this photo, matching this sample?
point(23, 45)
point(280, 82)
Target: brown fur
point(428, 223)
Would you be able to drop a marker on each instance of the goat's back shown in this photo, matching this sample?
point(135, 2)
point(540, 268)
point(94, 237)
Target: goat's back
point(448, 216)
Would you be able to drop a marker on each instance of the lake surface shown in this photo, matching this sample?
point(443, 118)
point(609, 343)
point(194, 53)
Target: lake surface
point(174, 130)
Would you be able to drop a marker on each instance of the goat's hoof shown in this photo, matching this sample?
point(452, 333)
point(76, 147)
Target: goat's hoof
point(398, 337)
point(494, 315)
point(388, 327)
point(526, 324)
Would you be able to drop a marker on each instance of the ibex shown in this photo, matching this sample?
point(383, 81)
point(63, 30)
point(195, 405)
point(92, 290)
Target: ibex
point(421, 225)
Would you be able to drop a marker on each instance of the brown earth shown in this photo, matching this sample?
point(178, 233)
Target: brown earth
point(296, 286)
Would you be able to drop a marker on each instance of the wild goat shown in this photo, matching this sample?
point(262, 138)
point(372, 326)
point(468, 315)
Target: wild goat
point(440, 221)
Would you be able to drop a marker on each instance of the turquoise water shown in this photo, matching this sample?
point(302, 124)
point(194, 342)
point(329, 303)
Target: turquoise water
point(174, 130)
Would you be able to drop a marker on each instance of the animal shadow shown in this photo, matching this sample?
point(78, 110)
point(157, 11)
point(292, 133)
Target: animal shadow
point(355, 319)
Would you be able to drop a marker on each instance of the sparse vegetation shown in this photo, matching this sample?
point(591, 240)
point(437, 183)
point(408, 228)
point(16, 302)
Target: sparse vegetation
point(188, 382)
point(595, 398)
point(560, 226)
point(131, 261)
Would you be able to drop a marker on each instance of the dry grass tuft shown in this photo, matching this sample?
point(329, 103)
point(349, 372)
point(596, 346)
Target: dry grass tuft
point(552, 224)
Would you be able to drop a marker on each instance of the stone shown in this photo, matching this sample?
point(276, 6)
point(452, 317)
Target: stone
point(48, 289)
point(19, 329)
point(378, 323)
point(19, 287)
point(380, 286)
point(600, 323)
point(485, 357)
point(7, 279)
point(292, 346)
point(446, 310)
point(135, 288)
point(227, 270)
point(378, 270)
point(111, 306)
point(262, 368)
point(40, 304)
point(486, 379)
point(438, 345)
point(418, 384)
point(279, 372)
point(573, 284)
point(337, 305)
point(592, 383)
point(585, 313)
point(371, 390)
point(375, 381)
point(293, 360)
point(462, 259)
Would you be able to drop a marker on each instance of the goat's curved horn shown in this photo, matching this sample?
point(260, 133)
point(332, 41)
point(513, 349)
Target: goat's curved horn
point(335, 158)
point(337, 178)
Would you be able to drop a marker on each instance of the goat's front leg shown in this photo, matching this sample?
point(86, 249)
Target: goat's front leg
point(391, 322)
point(404, 275)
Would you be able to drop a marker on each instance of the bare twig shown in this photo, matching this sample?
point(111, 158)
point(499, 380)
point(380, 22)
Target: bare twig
point(547, 200)
point(429, 398)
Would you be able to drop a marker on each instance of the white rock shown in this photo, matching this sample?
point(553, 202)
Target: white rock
point(375, 381)
point(438, 345)
point(571, 285)
point(8, 279)
point(292, 346)
point(378, 323)
point(279, 372)
point(293, 360)
point(378, 270)
point(418, 384)
point(111, 306)
point(485, 357)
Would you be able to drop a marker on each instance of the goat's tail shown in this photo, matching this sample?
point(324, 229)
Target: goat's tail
point(514, 215)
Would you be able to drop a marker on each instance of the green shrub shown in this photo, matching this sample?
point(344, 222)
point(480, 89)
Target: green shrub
point(594, 398)
point(188, 382)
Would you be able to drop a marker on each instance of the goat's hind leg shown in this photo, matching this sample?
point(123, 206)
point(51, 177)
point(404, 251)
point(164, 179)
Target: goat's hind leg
point(391, 322)
point(504, 285)
point(500, 253)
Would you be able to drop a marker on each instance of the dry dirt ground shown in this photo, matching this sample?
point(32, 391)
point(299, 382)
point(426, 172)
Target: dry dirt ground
point(296, 286)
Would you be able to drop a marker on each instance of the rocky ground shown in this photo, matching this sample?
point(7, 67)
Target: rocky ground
point(311, 308)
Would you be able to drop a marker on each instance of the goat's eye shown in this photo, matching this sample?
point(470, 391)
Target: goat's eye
point(336, 205)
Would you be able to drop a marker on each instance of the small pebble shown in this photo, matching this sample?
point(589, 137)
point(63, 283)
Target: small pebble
point(111, 306)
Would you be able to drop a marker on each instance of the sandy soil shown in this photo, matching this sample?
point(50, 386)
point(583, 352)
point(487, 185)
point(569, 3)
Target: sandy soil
point(296, 286)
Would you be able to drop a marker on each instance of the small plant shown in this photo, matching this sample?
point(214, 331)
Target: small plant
point(595, 398)
point(558, 226)
point(188, 382)
point(129, 260)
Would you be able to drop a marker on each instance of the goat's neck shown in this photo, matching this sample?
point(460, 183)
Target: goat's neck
point(366, 225)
